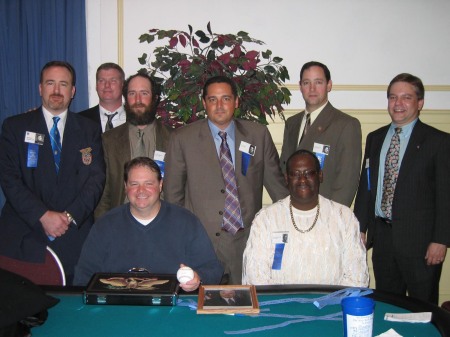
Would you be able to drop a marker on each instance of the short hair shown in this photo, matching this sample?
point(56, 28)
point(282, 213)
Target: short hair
point(62, 64)
point(300, 153)
point(141, 162)
point(411, 79)
point(156, 89)
point(108, 66)
point(316, 64)
point(220, 79)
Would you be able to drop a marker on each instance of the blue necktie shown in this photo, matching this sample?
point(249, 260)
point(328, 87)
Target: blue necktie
point(55, 140)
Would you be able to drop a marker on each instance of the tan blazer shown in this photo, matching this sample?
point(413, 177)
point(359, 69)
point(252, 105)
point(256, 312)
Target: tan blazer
point(342, 165)
point(116, 145)
point(193, 179)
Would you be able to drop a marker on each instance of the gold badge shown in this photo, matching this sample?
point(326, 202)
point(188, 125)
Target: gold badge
point(86, 156)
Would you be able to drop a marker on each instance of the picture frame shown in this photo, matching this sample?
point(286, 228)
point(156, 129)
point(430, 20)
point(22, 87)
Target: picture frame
point(227, 299)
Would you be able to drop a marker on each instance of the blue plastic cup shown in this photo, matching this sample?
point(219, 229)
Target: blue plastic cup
point(358, 316)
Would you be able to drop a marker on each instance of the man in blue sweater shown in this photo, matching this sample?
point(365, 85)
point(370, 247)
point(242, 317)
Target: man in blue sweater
point(148, 233)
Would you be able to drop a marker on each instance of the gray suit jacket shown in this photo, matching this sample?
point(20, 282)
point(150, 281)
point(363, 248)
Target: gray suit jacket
point(421, 205)
point(116, 145)
point(341, 167)
point(193, 179)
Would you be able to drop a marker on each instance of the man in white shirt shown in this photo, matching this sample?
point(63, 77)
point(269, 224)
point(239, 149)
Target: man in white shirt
point(109, 113)
point(305, 238)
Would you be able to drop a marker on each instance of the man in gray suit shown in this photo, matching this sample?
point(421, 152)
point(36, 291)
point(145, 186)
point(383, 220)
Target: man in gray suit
point(194, 177)
point(141, 136)
point(332, 135)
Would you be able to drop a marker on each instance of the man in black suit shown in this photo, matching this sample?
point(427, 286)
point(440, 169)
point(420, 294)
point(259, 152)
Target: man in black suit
point(52, 173)
point(109, 113)
point(403, 200)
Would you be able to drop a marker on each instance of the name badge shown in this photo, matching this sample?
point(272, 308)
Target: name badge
point(34, 138)
point(248, 150)
point(280, 237)
point(321, 152)
point(158, 157)
point(368, 173)
point(278, 256)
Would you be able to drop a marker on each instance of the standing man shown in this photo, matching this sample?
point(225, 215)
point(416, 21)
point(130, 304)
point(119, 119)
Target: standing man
point(141, 136)
point(109, 113)
point(52, 173)
point(211, 170)
point(332, 135)
point(403, 198)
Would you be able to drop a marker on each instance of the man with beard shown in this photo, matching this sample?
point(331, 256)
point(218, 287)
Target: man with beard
point(52, 173)
point(141, 136)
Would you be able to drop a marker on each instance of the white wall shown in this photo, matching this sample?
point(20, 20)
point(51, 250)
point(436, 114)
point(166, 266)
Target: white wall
point(364, 43)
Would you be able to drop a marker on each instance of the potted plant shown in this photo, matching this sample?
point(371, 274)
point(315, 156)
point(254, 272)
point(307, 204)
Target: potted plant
point(187, 60)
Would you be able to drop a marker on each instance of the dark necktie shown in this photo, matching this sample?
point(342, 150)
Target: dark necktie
point(391, 173)
point(232, 219)
point(140, 151)
point(55, 141)
point(307, 125)
point(109, 125)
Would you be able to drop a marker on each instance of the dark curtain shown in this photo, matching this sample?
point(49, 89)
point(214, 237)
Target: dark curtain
point(33, 32)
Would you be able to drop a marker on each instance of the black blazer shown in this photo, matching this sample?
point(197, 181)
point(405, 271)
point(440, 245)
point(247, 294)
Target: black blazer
point(421, 205)
point(93, 114)
point(31, 191)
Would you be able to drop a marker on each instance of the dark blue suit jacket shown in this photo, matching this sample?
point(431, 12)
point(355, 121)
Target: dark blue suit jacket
point(93, 114)
point(30, 192)
point(421, 205)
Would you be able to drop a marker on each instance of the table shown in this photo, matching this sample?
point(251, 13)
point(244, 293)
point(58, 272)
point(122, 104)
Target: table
point(73, 318)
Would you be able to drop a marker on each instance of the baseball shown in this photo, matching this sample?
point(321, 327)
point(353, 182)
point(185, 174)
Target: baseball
point(185, 274)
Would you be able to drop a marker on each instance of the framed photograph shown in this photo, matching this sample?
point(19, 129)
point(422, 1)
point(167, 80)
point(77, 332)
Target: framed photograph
point(227, 299)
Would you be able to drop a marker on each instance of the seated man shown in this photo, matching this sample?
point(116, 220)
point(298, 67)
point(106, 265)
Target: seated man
point(305, 238)
point(148, 233)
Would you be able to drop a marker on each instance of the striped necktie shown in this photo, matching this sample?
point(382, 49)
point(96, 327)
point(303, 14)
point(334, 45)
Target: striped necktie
point(232, 219)
point(109, 125)
point(307, 125)
point(55, 141)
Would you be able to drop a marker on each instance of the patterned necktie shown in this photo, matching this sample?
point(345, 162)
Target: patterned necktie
point(55, 141)
point(232, 219)
point(109, 125)
point(391, 173)
point(140, 151)
point(307, 125)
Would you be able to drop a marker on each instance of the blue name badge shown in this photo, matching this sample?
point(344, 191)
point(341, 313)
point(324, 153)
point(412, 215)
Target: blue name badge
point(32, 155)
point(278, 256)
point(161, 165)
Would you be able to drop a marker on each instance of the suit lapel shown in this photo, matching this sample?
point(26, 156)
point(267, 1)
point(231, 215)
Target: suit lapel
point(417, 138)
point(70, 146)
point(208, 147)
point(374, 159)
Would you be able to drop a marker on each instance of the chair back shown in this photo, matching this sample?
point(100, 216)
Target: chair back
point(50, 272)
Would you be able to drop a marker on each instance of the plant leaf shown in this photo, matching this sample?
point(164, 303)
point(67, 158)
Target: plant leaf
point(208, 26)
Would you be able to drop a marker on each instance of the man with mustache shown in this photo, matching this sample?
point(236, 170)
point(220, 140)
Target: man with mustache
point(141, 136)
point(52, 173)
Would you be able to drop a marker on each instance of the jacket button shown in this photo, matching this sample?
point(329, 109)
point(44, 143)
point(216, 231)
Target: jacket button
point(217, 234)
point(222, 191)
point(220, 212)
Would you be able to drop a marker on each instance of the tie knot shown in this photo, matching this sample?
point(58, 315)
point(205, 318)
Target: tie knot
point(398, 130)
point(223, 135)
point(56, 120)
point(110, 116)
point(140, 133)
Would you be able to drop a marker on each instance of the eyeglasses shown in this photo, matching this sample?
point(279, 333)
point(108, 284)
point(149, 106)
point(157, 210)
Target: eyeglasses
point(306, 174)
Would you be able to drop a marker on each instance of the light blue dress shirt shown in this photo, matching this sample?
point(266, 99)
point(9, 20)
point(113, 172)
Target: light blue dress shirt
point(230, 130)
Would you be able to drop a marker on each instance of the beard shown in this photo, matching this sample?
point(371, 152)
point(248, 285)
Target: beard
point(140, 118)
